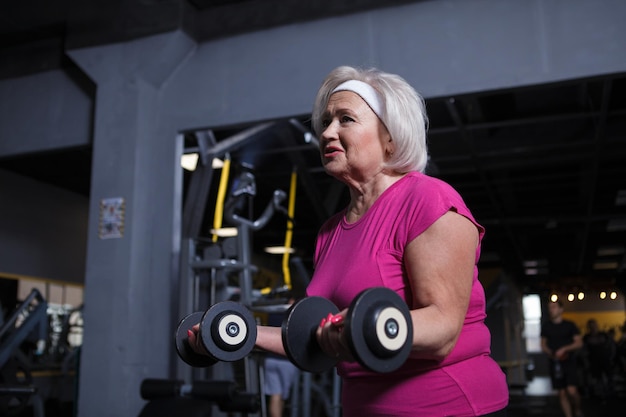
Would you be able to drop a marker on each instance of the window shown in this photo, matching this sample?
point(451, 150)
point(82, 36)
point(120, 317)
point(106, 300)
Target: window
point(532, 322)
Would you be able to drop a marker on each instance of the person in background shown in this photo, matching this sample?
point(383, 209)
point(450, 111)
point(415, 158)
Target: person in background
point(620, 351)
point(600, 352)
point(560, 340)
point(279, 374)
point(407, 231)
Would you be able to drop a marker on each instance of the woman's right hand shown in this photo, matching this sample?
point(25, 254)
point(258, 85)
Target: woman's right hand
point(194, 340)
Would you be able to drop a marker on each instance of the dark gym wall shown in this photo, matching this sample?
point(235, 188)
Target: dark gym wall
point(43, 230)
point(43, 112)
point(148, 90)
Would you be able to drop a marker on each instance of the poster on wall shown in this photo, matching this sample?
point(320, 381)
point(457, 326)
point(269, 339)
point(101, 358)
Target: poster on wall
point(111, 218)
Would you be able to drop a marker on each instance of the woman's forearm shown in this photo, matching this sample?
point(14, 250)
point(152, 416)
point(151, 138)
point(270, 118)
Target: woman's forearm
point(270, 339)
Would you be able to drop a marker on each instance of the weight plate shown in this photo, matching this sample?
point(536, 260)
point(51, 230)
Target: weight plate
point(379, 329)
point(185, 352)
point(387, 331)
point(298, 334)
point(228, 331)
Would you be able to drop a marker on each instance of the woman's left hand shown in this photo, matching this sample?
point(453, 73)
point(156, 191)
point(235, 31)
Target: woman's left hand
point(332, 337)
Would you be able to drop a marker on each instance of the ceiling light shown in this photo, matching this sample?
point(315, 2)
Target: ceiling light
point(570, 297)
point(225, 231)
point(533, 263)
point(554, 298)
point(189, 161)
point(605, 265)
point(217, 163)
point(581, 295)
point(602, 295)
point(279, 250)
point(610, 250)
point(308, 137)
point(536, 271)
point(616, 225)
point(613, 295)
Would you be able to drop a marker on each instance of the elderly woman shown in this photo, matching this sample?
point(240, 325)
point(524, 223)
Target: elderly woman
point(406, 231)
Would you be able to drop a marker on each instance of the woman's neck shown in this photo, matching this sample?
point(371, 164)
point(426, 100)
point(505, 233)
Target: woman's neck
point(363, 196)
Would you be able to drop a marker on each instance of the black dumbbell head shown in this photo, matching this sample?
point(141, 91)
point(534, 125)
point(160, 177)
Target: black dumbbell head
point(185, 352)
point(379, 329)
point(298, 334)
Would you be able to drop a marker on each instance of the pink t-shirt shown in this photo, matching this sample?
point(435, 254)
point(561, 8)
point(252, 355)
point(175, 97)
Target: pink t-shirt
point(352, 257)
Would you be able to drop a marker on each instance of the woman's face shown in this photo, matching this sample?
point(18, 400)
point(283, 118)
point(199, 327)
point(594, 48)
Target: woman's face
point(354, 142)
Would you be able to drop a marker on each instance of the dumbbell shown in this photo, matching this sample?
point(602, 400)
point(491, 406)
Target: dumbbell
point(378, 331)
point(227, 333)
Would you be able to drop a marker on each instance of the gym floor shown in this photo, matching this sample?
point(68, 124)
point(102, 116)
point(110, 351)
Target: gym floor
point(538, 399)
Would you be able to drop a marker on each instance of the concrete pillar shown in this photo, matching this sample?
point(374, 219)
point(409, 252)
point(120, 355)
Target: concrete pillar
point(130, 283)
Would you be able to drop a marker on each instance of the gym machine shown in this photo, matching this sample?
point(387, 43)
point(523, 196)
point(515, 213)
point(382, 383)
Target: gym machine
point(17, 392)
point(168, 398)
point(216, 263)
point(207, 265)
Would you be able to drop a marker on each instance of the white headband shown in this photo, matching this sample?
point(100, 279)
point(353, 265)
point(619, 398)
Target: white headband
point(365, 91)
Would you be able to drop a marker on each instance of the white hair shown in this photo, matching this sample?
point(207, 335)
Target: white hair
point(403, 113)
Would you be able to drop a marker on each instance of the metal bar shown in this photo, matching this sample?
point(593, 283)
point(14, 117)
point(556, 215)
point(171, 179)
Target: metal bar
point(336, 395)
point(238, 140)
point(306, 394)
point(295, 395)
point(197, 194)
point(186, 298)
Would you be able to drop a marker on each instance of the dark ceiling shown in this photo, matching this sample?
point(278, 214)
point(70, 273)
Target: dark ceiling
point(543, 168)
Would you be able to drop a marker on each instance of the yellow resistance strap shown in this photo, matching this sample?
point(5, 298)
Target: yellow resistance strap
point(289, 233)
point(221, 194)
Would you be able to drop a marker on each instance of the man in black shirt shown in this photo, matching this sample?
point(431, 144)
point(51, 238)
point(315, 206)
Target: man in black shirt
point(559, 340)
